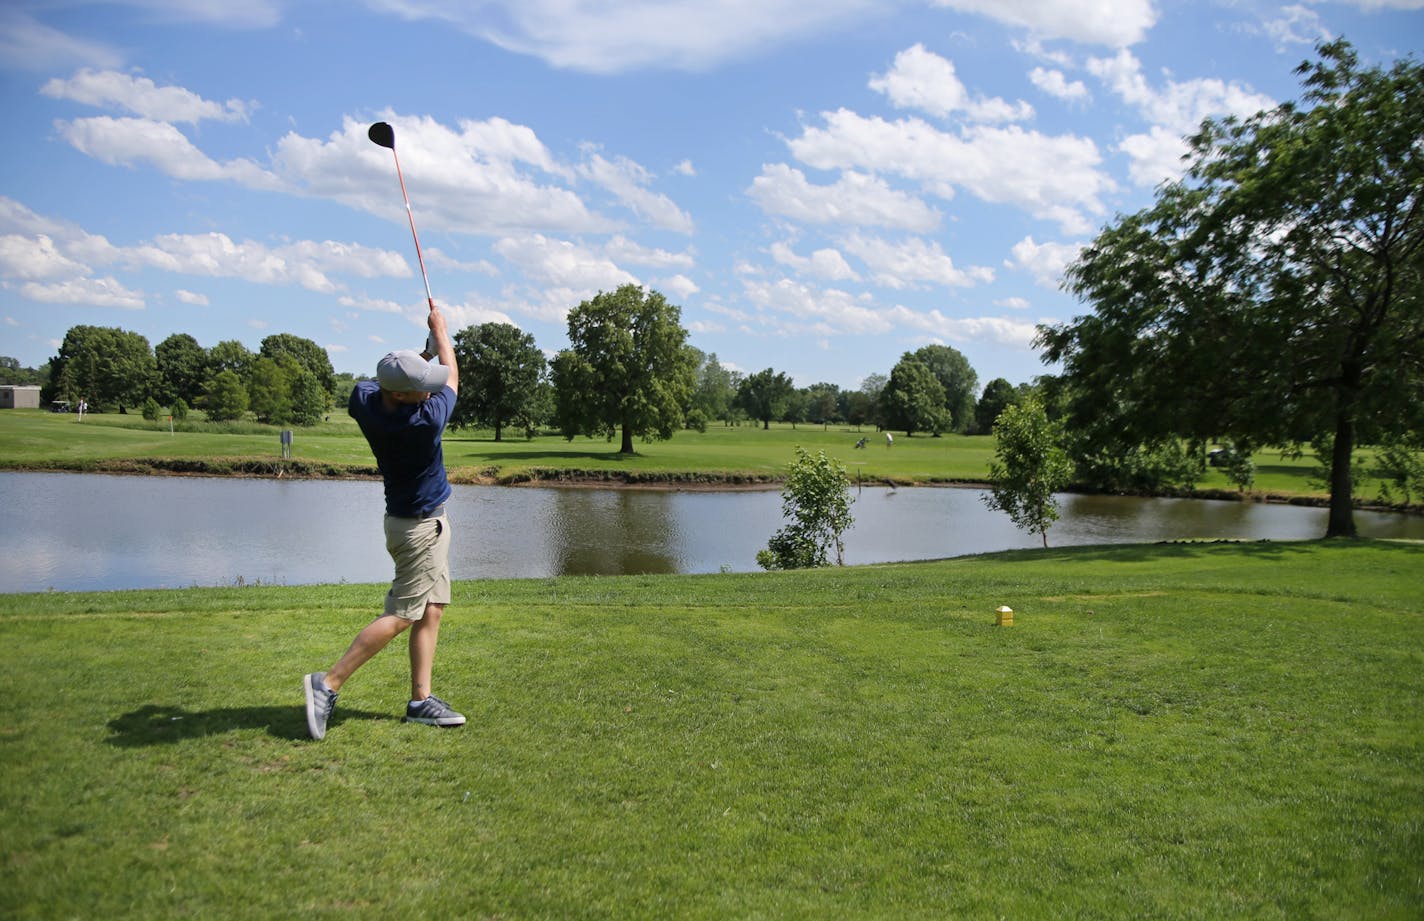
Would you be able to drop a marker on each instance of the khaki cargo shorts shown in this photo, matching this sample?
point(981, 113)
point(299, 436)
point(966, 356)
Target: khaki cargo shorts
point(420, 548)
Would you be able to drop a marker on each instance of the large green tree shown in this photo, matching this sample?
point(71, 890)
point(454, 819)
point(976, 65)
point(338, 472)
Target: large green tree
point(105, 365)
point(500, 371)
point(304, 352)
point(763, 395)
point(230, 355)
point(269, 391)
point(628, 369)
point(957, 377)
point(823, 403)
point(1274, 295)
point(225, 397)
point(182, 368)
point(913, 400)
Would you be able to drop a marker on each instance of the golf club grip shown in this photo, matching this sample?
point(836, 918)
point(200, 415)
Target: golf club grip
point(430, 344)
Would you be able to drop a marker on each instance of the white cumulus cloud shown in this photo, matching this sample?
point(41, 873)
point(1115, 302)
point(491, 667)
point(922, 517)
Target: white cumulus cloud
point(143, 97)
point(131, 141)
point(921, 79)
point(912, 263)
point(1055, 84)
point(1173, 109)
point(1056, 178)
point(1115, 23)
point(1044, 261)
point(601, 37)
point(856, 199)
point(89, 292)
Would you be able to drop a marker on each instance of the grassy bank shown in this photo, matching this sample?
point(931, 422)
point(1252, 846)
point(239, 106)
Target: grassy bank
point(1168, 731)
point(35, 440)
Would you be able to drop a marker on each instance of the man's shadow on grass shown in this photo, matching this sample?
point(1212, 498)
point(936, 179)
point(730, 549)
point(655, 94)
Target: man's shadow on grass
point(155, 724)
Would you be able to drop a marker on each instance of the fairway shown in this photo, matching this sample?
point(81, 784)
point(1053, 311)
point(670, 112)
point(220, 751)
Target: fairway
point(1167, 731)
point(722, 455)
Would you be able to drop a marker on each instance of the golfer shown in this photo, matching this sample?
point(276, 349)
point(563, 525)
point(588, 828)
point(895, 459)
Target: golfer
point(402, 414)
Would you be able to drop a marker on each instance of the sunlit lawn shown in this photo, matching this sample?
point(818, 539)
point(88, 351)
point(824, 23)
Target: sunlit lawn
point(1172, 731)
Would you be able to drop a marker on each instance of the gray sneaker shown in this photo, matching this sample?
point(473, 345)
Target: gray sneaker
point(320, 703)
point(432, 711)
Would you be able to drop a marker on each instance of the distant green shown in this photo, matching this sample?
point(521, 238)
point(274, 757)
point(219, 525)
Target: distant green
point(1168, 731)
point(32, 439)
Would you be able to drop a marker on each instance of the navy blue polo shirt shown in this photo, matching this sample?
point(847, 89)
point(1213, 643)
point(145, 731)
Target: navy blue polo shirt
point(406, 442)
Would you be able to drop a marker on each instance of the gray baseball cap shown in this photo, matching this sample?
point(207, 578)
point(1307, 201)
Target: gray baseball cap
point(406, 371)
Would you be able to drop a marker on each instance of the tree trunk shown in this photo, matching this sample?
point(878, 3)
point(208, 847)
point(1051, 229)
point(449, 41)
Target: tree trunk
point(627, 447)
point(1342, 508)
point(496, 431)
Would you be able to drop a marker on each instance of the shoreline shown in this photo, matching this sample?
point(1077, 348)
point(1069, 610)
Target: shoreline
point(574, 478)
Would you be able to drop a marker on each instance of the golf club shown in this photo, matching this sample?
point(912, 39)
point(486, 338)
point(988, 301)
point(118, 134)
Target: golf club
point(383, 135)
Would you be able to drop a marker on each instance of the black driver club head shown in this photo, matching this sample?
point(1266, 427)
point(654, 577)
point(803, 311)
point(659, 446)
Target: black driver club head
point(382, 134)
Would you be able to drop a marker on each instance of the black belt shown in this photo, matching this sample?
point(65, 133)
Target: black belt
point(433, 513)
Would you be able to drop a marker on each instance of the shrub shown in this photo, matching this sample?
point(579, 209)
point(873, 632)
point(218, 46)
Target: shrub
point(817, 499)
point(1030, 466)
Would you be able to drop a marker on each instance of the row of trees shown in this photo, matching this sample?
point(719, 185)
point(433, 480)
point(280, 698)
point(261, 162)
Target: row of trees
point(12, 372)
point(629, 372)
point(288, 381)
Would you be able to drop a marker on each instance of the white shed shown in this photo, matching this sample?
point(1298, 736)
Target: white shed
point(19, 396)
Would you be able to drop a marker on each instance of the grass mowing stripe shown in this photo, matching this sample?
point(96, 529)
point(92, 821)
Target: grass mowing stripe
point(1167, 731)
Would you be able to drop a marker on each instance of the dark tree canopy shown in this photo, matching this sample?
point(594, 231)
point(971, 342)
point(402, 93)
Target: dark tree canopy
point(182, 368)
point(957, 377)
point(628, 369)
point(230, 355)
point(225, 397)
point(105, 365)
point(500, 368)
point(1275, 295)
point(913, 399)
point(823, 403)
point(764, 395)
point(304, 352)
point(998, 395)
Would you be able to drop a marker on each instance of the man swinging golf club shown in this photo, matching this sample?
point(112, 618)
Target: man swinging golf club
point(403, 414)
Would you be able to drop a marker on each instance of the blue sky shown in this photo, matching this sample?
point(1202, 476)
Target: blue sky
point(820, 186)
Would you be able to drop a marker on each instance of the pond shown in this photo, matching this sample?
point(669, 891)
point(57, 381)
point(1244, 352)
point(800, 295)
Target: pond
point(96, 532)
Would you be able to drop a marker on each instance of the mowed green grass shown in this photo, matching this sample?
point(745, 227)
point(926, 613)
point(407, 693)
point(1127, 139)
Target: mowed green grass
point(1167, 731)
point(31, 439)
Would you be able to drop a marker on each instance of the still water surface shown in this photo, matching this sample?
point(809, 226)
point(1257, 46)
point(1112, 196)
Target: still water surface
point(94, 532)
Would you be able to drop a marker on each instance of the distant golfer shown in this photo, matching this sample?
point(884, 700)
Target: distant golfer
point(403, 414)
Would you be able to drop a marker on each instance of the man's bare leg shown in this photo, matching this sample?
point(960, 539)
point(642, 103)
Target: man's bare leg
point(371, 640)
point(423, 636)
